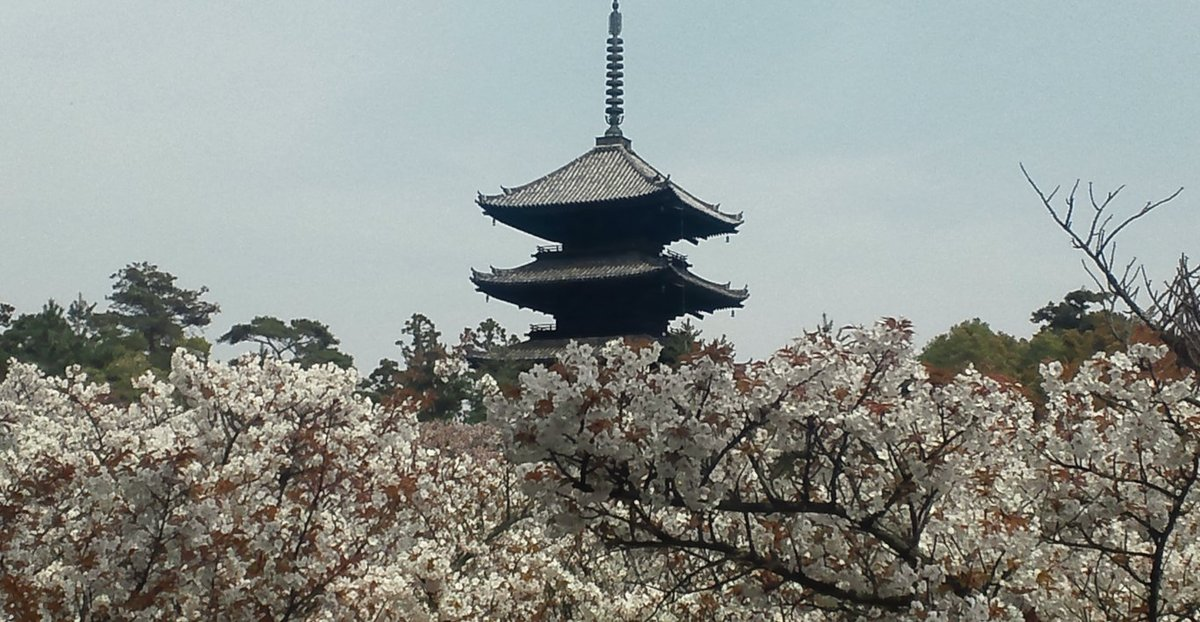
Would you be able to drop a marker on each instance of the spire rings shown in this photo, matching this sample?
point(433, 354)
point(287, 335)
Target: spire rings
point(615, 103)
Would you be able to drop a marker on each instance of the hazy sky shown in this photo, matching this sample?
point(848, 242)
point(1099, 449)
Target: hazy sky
point(321, 159)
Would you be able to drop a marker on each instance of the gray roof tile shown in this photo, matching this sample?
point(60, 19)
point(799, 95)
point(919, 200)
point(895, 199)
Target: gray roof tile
point(557, 269)
point(563, 269)
point(609, 172)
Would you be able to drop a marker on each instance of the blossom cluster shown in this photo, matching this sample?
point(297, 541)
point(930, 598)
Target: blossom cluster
point(262, 491)
point(834, 479)
point(1119, 454)
point(254, 490)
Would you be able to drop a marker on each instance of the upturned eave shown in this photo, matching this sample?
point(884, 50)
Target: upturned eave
point(606, 177)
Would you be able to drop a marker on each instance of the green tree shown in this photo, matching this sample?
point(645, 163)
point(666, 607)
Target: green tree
point(146, 301)
point(424, 346)
point(439, 394)
point(1089, 334)
point(973, 342)
point(435, 377)
point(420, 350)
point(1070, 333)
point(1071, 313)
point(6, 314)
point(680, 342)
point(149, 316)
point(54, 339)
point(45, 339)
point(303, 341)
point(112, 354)
point(380, 384)
point(490, 336)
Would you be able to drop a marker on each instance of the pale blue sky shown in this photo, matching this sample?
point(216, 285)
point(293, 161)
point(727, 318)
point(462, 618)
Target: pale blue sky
point(320, 159)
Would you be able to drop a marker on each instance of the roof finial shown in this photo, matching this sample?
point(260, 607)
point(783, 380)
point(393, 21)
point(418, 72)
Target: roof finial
point(616, 73)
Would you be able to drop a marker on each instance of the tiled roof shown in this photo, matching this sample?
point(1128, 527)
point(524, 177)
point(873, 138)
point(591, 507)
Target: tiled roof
point(609, 172)
point(564, 269)
point(559, 269)
point(718, 288)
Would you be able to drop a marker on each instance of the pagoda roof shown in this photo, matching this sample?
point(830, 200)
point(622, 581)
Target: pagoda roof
point(611, 172)
point(563, 268)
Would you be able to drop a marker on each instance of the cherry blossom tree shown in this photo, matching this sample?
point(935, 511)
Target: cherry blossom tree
point(264, 491)
point(1120, 459)
point(253, 491)
point(834, 481)
point(1119, 450)
point(831, 479)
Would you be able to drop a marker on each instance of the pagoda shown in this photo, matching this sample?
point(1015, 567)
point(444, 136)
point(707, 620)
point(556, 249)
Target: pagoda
point(609, 215)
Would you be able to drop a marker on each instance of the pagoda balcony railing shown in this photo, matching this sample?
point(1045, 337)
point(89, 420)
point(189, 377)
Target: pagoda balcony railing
point(542, 328)
point(548, 249)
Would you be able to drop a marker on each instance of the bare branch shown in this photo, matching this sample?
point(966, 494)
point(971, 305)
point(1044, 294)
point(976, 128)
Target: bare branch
point(1173, 310)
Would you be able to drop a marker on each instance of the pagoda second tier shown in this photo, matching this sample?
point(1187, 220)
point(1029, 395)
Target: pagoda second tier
point(608, 196)
point(608, 294)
